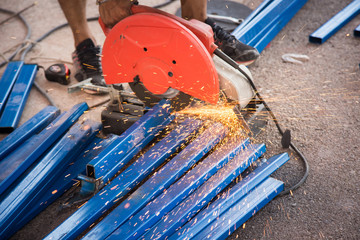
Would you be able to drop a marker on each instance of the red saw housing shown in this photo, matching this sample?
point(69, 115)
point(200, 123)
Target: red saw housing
point(162, 51)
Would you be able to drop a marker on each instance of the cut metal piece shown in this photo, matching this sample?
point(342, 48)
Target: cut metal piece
point(7, 81)
point(357, 31)
point(235, 217)
point(160, 181)
point(203, 195)
point(208, 215)
point(110, 161)
point(28, 129)
point(335, 23)
point(155, 210)
point(16, 101)
point(122, 184)
point(49, 168)
point(19, 161)
point(234, 84)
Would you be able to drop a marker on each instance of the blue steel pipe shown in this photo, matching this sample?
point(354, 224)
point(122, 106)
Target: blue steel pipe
point(17, 99)
point(49, 168)
point(121, 185)
point(335, 23)
point(203, 195)
point(235, 194)
point(28, 129)
point(155, 210)
point(7, 81)
point(235, 217)
point(110, 161)
point(64, 182)
point(19, 161)
point(160, 181)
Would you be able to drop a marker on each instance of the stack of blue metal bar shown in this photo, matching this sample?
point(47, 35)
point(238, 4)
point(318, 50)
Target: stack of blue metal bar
point(264, 23)
point(15, 86)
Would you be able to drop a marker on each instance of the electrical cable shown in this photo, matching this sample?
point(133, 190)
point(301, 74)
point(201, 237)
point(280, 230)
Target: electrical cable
point(163, 4)
point(27, 37)
point(231, 62)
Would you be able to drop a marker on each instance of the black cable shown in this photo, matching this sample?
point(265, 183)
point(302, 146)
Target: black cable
point(44, 93)
point(163, 4)
point(27, 37)
point(231, 62)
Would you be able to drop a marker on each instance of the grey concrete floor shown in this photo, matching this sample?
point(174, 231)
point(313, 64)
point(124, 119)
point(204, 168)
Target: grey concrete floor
point(318, 101)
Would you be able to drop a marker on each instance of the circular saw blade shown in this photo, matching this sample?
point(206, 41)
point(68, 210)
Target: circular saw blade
point(179, 100)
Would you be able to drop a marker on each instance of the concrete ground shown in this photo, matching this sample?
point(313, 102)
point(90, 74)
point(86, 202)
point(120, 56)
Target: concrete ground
point(317, 100)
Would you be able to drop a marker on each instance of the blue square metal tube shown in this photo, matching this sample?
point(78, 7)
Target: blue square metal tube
point(177, 192)
point(233, 195)
point(7, 81)
point(49, 168)
point(335, 23)
point(110, 161)
point(357, 31)
point(19, 161)
point(204, 194)
point(122, 184)
point(17, 99)
point(237, 215)
point(160, 181)
point(28, 129)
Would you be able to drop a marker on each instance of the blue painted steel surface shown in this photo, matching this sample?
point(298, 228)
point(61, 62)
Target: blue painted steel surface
point(91, 185)
point(203, 195)
point(19, 161)
point(160, 181)
point(41, 177)
point(111, 160)
point(177, 192)
point(254, 13)
point(65, 181)
point(357, 31)
point(123, 183)
point(277, 25)
point(28, 129)
point(335, 23)
point(235, 217)
point(262, 27)
point(235, 194)
point(136, 149)
point(7, 81)
point(17, 99)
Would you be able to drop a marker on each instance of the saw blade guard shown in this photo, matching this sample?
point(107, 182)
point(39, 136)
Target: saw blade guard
point(233, 83)
point(161, 53)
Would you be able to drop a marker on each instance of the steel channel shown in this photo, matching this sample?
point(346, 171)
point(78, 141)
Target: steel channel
point(160, 181)
point(16, 101)
point(28, 129)
point(7, 81)
point(91, 185)
point(65, 181)
point(235, 217)
point(155, 210)
point(111, 160)
point(203, 195)
point(122, 184)
point(277, 25)
point(19, 161)
point(335, 23)
point(41, 177)
point(235, 194)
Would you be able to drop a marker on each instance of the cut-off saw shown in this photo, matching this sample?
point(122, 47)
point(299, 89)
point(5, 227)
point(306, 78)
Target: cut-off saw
point(161, 56)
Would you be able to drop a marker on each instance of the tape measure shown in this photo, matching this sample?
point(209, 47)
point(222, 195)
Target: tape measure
point(58, 73)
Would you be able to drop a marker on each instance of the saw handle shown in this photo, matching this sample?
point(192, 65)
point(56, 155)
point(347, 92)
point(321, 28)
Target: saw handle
point(202, 30)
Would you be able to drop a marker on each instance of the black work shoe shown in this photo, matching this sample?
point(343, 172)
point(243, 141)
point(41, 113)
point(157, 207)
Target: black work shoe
point(87, 64)
point(238, 51)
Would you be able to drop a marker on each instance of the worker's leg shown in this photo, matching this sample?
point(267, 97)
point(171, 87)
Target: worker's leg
point(75, 13)
point(194, 9)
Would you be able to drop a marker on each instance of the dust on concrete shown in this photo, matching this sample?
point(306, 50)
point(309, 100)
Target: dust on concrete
point(318, 101)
